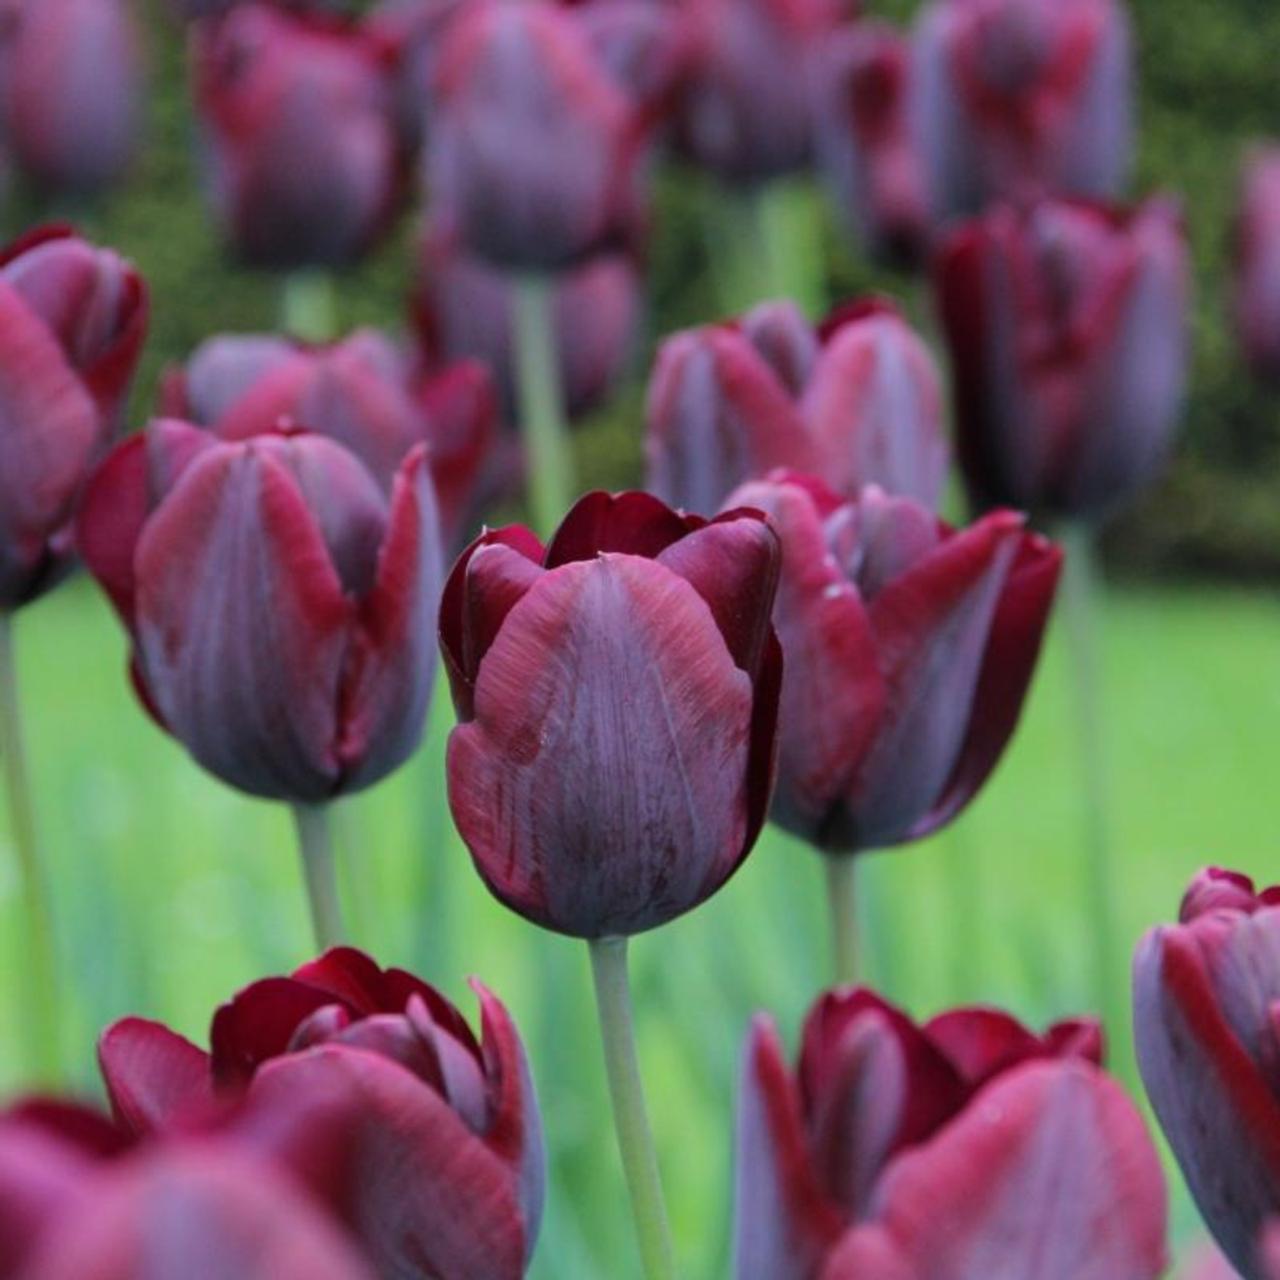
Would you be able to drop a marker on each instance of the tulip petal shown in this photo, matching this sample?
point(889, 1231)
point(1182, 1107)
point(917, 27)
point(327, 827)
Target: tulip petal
point(632, 523)
point(868, 1253)
point(258, 1024)
point(152, 1074)
point(982, 1042)
point(498, 577)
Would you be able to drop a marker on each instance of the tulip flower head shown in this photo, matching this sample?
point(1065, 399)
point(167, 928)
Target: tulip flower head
point(617, 693)
point(1257, 264)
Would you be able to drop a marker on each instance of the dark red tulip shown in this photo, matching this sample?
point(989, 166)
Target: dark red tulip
point(72, 321)
point(617, 691)
point(298, 116)
point(964, 1149)
point(278, 602)
point(463, 307)
point(361, 391)
point(72, 76)
point(1204, 995)
point(537, 151)
point(909, 647)
point(858, 402)
point(1068, 327)
point(440, 1171)
point(865, 144)
point(1257, 264)
point(1017, 98)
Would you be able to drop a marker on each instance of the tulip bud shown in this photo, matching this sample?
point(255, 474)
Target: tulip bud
point(1257, 264)
point(72, 322)
point(1204, 1010)
point(908, 649)
point(72, 79)
point(434, 1140)
point(1069, 334)
point(298, 117)
point(197, 542)
point(592, 804)
point(1018, 98)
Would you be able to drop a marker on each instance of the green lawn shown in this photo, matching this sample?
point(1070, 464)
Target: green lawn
point(172, 890)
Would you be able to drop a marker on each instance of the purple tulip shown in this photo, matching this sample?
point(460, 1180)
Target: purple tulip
point(964, 1149)
point(72, 321)
point(1204, 996)
point(279, 604)
point(908, 648)
point(72, 75)
point(1069, 333)
point(536, 150)
point(1257, 264)
point(858, 401)
point(1017, 98)
point(617, 693)
point(298, 116)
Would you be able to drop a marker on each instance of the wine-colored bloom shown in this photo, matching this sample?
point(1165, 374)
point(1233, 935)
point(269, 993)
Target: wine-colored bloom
point(963, 1149)
point(72, 76)
point(617, 692)
point(1205, 999)
point(1022, 97)
point(463, 308)
point(362, 391)
point(279, 604)
point(908, 646)
point(1069, 334)
point(299, 122)
point(1257, 264)
point(858, 401)
point(436, 1156)
point(536, 150)
point(865, 145)
point(72, 321)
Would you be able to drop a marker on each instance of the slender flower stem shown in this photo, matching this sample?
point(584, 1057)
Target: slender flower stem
point(963, 858)
point(315, 843)
point(635, 1142)
point(843, 903)
point(548, 461)
point(309, 306)
point(788, 237)
point(40, 983)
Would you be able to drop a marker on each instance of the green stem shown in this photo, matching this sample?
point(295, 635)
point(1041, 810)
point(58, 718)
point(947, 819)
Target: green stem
point(789, 239)
point(548, 461)
point(309, 306)
point(40, 983)
point(842, 900)
point(315, 843)
point(963, 858)
point(635, 1142)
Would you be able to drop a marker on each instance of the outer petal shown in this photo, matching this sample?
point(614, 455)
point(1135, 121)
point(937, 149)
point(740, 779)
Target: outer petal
point(868, 1253)
point(632, 523)
point(602, 785)
point(983, 1043)
point(786, 340)
point(152, 1074)
point(222, 369)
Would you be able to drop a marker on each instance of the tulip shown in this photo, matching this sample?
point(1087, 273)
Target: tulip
point(1017, 98)
point(1204, 995)
point(298, 117)
point(1257, 264)
point(1068, 330)
point(960, 1150)
point(72, 75)
point(858, 402)
point(439, 1159)
point(361, 391)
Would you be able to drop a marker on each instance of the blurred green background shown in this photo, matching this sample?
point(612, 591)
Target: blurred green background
point(173, 891)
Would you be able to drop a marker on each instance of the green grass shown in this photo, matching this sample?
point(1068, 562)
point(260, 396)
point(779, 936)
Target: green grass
point(172, 891)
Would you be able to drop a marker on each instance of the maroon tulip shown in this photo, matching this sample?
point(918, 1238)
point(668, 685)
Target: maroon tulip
point(1068, 328)
point(299, 120)
point(440, 1170)
point(536, 149)
point(909, 647)
point(618, 694)
point(961, 1150)
point(360, 391)
point(72, 76)
point(1257, 264)
point(858, 402)
point(279, 604)
point(1204, 996)
point(1017, 98)
point(72, 322)
point(868, 155)
point(464, 306)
